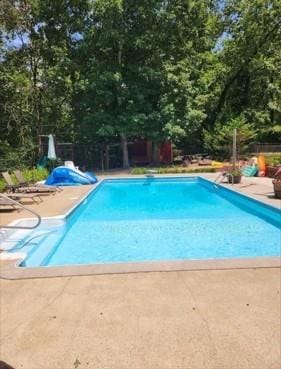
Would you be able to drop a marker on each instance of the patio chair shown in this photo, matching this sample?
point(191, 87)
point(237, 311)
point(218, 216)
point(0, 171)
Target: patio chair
point(250, 171)
point(23, 183)
point(6, 202)
point(18, 196)
point(11, 186)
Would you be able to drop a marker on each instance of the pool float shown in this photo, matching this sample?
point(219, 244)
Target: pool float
point(217, 164)
point(250, 171)
point(65, 176)
point(261, 165)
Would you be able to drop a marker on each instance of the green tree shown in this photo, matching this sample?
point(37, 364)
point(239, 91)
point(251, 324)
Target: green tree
point(246, 71)
point(35, 69)
point(119, 85)
point(191, 33)
point(219, 141)
point(108, 71)
point(141, 66)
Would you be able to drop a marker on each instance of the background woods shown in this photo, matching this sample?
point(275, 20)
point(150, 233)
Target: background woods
point(110, 71)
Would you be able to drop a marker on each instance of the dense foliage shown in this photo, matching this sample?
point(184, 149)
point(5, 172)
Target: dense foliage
point(174, 170)
point(108, 71)
point(219, 140)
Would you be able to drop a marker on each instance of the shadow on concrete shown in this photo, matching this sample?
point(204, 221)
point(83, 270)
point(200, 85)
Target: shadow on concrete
point(4, 365)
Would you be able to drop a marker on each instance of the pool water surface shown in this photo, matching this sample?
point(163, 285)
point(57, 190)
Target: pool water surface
point(158, 219)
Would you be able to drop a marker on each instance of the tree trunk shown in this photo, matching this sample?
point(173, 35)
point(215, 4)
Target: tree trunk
point(106, 157)
point(124, 145)
point(124, 151)
point(155, 153)
point(102, 158)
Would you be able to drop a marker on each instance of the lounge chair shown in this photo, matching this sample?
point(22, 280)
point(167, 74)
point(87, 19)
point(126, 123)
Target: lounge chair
point(18, 196)
point(23, 183)
point(7, 202)
point(250, 171)
point(11, 186)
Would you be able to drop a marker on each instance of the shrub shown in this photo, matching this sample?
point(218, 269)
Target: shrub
point(35, 175)
point(175, 170)
point(2, 185)
point(273, 159)
point(139, 170)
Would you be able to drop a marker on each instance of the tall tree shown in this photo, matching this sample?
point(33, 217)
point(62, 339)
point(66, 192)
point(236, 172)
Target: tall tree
point(247, 72)
point(142, 74)
point(36, 67)
point(118, 81)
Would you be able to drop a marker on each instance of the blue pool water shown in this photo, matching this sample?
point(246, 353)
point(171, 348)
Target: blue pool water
point(158, 219)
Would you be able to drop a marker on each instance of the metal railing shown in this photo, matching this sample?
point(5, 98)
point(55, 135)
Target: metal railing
point(25, 208)
point(222, 176)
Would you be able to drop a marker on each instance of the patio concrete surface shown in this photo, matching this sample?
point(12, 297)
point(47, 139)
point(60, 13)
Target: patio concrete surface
point(177, 320)
point(51, 205)
point(259, 188)
point(219, 319)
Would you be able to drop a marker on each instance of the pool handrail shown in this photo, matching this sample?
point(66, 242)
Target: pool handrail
point(25, 208)
point(222, 176)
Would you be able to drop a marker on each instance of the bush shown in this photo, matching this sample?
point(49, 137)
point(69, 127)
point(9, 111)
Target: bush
point(35, 175)
point(139, 171)
point(273, 159)
point(173, 170)
point(2, 185)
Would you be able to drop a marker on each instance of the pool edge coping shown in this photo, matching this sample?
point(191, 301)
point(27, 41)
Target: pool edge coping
point(12, 270)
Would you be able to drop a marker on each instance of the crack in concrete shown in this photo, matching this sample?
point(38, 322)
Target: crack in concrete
point(205, 321)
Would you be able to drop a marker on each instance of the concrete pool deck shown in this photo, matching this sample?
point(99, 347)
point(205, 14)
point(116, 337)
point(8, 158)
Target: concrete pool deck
point(219, 319)
point(177, 320)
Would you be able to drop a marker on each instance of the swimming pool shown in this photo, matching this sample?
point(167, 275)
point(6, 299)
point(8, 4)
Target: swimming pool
point(156, 219)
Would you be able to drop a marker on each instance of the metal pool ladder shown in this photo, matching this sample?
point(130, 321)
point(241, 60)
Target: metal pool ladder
point(222, 176)
point(150, 173)
point(25, 208)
